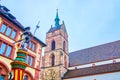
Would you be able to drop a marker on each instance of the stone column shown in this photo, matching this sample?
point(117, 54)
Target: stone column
point(19, 65)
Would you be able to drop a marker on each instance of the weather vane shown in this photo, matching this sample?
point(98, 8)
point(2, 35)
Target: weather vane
point(37, 26)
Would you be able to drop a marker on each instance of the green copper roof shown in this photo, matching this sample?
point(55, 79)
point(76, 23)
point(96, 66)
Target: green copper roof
point(57, 19)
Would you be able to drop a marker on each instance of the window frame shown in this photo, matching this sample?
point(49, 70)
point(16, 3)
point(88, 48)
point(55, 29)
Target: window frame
point(2, 26)
point(65, 61)
point(52, 60)
point(28, 60)
point(30, 46)
point(12, 33)
point(8, 55)
point(64, 44)
point(6, 48)
point(5, 32)
point(25, 77)
point(53, 45)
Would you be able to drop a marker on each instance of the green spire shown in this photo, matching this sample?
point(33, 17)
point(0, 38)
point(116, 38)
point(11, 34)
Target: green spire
point(57, 19)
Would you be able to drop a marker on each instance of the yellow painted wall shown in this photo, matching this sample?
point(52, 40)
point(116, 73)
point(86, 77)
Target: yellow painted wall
point(6, 38)
point(6, 61)
point(31, 70)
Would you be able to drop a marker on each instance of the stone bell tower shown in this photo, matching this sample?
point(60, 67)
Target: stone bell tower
point(55, 60)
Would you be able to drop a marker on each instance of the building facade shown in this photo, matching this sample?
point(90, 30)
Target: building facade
point(10, 31)
point(103, 72)
point(55, 60)
point(95, 63)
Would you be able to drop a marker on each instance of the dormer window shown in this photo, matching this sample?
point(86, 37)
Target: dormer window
point(5, 9)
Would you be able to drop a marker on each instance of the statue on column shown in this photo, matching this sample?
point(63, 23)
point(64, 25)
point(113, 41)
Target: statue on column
point(24, 39)
point(19, 64)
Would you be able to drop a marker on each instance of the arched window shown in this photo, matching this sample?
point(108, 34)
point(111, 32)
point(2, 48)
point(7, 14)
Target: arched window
point(3, 71)
point(2, 77)
point(64, 46)
point(53, 59)
point(53, 45)
point(29, 76)
point(25, 77)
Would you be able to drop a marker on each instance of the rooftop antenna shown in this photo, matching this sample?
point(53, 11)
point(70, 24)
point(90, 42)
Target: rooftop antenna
point(37, 26)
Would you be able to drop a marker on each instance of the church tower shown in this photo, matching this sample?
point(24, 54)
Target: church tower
point(55, 60)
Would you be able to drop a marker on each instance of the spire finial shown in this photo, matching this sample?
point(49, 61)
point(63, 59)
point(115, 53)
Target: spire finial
point(57, 19)
point(57, 13)
point(57, 9)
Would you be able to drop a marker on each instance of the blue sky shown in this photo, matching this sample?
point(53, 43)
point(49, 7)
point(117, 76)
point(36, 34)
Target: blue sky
point(89, 22)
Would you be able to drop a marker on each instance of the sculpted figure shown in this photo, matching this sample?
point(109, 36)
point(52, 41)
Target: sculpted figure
point(24, 39)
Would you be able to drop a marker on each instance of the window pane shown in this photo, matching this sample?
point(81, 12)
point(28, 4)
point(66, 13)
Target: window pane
point(30, 44)
point(2, 49)
point(3, 28)
point(31, 61)
point(8, 31)
point(8, 51)
point(53, 45)
point(53, 60)
point(0, 43)
point(2, 77)
point(13, 34)
point(33, 47)
point(25, 77)
point(28, 59)
point(64, 46)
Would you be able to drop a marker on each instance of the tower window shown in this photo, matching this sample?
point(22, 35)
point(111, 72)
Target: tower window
point(65, 61)
point(53, 60)
point(53, 45)
point(64, 46)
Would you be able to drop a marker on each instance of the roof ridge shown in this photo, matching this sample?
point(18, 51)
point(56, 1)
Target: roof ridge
point(95, 46)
